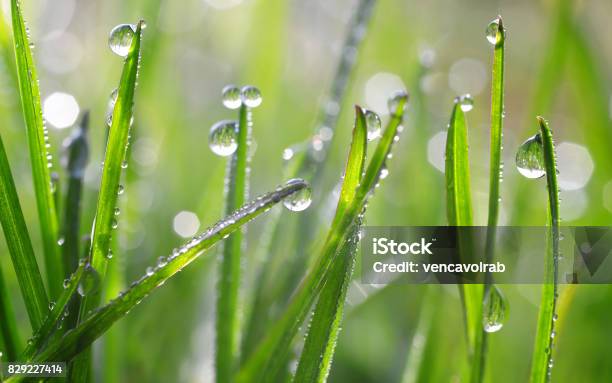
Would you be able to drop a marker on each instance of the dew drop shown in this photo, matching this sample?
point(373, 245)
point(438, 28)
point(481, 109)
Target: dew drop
point(114, 223)
point(223, 138)
point(109, 255)
point(384, 172)
point(51, 305)
point(90, 281)
point(397, 98)
point(530, 158)
point(66, 283)
point(60, 241)
point(117, 211)
point(251, 96)
point(373, 125)
point(149, 271)
point(466, 102)
point(231, 97)
point(299, 200)
point(120, 190)
point(495, 310)
point(120, 39)
point(493, 33)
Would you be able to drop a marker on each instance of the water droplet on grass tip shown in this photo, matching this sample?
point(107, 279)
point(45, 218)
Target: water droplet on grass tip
point(223, 138)
point(397, 98)
point(530, 158)
point(231, 97)
point(90, 281)
point(299, 200)
point(493, 32)
point(494, 310)
point(373, 125)
point(120, 39)
point(251, 96)
point(466, 102)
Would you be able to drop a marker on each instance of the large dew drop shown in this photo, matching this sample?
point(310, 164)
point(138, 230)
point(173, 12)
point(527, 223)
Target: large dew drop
point(120, 39)
point(299, 200)
point(397, 98)
point(231, 97)
point(530, 158)
point(373, 124)
point(251, 96)
point(494, 310)
point(466, 102)
point(493, 33)
point(90, 281)
point(223, 138)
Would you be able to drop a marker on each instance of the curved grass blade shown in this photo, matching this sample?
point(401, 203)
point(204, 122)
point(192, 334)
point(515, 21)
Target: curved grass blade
point(20, 247)
point(227, 334)
point(91, 328)
point(316, 358)
point(263, 365)
point(39, 156)
point(541, 363)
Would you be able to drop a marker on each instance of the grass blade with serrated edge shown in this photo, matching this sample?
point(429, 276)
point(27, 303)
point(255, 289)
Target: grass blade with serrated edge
point(315, 360)
point(227, 325)
point(542, 353)
point(39, 156)
point(76, 340)
point(495, 175)
point(459, 212)
point(20, 246)
point(109, 185)
point(262, 365)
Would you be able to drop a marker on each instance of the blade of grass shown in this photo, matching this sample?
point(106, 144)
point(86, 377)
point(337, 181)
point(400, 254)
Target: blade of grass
point(20, 247)
point(39, 155)
point(9, 335)
point(227, 323)
point(541, 363)
point(495, 175)
point(317, 354)
point(116, 147)
point(263, 365)
point(91, 328)
point(459, 212)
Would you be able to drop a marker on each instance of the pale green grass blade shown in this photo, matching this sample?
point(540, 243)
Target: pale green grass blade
point(317, 354)
point(20, 247)
point(39, 155)
point(228, 307)
point(263, 365)
point(91, 328)
point(422, 334)
point(541, 362)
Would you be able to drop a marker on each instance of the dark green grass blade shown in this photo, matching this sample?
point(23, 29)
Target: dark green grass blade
point(542, 353)
point(9, 335)
point(263, 364)
point(39, 155)
point(495, 174)
point(459, 212)
point(228, 308)
point(316, 358)
point(20, 246)
point(91, 328)
point(109, 186)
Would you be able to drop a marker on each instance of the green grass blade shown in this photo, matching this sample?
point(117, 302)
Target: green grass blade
point(227, 324)
point(459, 212)
point(39, 155)
point(263, 365)
point(422, 334)
point(91, 328)
point(542, 354)
point(9, 335)
point(316, 358)
point(20, 246)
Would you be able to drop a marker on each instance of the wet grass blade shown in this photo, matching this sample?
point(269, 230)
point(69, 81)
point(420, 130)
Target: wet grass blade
point(317, 354)
point(541, 363)
point(263, 364)
point(39, 155)
point(459, 213)
point(20, 249)
point(228, 308)
point(91, 328)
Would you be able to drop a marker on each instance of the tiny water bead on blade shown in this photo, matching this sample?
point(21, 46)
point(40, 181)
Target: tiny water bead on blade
point(495, 31)
point(397, 98)
point(251, 96)
point(90, 281)
point(466, 102)
point(495, 310)
point(223, 138)
point(299, 200)
point(120, 39)
point(373, 125)
point(231, 97)
point(530, 158)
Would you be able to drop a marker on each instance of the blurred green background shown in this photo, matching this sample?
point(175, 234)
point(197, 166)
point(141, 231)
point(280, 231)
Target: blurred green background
point(557, 64)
